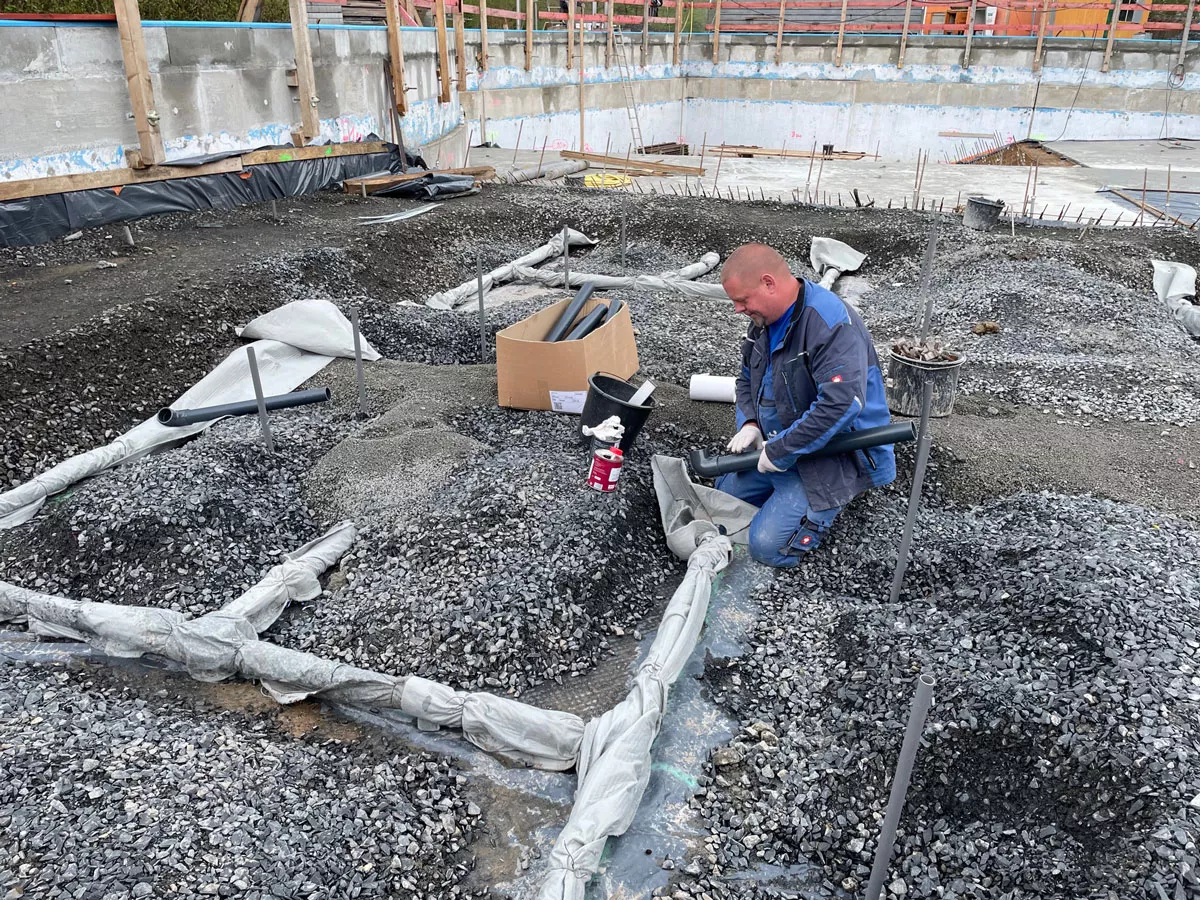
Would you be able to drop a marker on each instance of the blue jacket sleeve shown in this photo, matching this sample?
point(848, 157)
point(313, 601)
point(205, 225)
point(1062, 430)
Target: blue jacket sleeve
point(746, 410)
point(839, 368)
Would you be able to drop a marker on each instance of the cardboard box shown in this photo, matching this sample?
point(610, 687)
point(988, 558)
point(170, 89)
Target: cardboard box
point(532, 374)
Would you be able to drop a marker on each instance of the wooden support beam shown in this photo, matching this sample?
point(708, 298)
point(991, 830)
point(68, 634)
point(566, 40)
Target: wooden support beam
point(375, 183)
point(904, 34)
point(137, 76)
point(779, 33)
point(460, 47)
point(250, 10)
point(645, 34)
point(608, 49)
point(716, 42)
point(1114, 18)
point(675, 40)
point(110, 178)
point(966, 63)
point(582, 136)
point(396, 55)
point(571, 35)
point(530, 11)
point(310, 121)
point(443, 51)
point(1183, 41)
point(837, 57)
point(483, 42)
point(640, 165)
point(1041, 38)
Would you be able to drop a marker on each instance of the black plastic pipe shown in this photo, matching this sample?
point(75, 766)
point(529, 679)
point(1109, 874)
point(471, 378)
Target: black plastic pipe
point(588, 324)
point(614, 307)
point(563, 325)
point(710, 465)
point(177, 418)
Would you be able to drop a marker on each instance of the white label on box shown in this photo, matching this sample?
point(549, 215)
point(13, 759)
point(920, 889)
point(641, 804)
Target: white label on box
point(567, 401)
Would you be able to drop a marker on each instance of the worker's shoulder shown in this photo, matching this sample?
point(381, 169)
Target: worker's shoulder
point(826, 304)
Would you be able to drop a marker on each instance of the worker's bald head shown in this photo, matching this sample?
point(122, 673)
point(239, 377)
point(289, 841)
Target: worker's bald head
point(759, 282)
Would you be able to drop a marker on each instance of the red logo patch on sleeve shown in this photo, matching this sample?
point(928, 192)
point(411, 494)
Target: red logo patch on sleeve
point(836, 378)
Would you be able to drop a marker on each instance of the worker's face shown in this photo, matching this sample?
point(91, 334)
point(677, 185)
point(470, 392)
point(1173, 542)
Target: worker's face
point(756, 299)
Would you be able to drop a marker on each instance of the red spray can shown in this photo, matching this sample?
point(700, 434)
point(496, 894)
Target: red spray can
point(606, 469)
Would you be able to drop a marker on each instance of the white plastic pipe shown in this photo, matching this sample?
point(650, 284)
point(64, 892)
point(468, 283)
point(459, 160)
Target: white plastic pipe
point(713, 388)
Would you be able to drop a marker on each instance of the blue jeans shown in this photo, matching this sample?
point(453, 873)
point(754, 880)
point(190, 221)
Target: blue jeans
point(784, 529)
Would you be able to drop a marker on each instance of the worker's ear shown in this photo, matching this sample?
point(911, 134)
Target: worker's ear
point(768, 281)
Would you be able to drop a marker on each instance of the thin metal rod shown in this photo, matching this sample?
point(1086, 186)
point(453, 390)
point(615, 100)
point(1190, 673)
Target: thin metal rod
point(914, 498)
point(517, 146)
point(566, 258)
point(624, 240)
point(483, 327)
point(358, 364)
point(262, 406)
point(922, 700)
point(926, 277)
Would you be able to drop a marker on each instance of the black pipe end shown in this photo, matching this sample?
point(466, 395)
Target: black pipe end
point(164, 416)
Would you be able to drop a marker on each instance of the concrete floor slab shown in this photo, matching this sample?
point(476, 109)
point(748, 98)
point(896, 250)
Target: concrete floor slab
point(1131, 154)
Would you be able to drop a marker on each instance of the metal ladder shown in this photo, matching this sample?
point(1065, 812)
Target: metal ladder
point(635, 126)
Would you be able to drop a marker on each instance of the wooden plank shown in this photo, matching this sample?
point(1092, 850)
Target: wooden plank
point(376, 183)
point(645, 34)
point(460, 48)
point(1041, 38)
point(904, 33)
point(732, 150)
point(966, 63)
point(675, 39)
point(443, 51)
point(779, 33)
point(396, 55)
point(310, 121)
point(483, 44)
point(1146, 207)
point(292, 154)
point(529, 20)
point(250, 10)
point(111, 178)
point(619, 162)
point(1187, 30)
point(1113, 22)
point(608, 48)
point(137, 76)
point(716, 41)
point(837, 57)
point(571, 36)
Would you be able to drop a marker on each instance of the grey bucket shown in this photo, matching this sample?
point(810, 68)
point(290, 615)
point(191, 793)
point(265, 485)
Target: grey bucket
point(982, 214)
point(906, 380)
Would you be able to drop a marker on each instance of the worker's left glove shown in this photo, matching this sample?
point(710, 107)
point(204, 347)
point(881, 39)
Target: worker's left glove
point(765, 465)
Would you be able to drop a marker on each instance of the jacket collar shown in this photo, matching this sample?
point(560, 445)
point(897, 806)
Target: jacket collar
point(758, 331)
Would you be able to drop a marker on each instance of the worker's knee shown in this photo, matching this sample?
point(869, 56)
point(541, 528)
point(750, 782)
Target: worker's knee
point(782, 546)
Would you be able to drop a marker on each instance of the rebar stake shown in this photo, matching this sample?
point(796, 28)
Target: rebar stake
point(566, 258)
point(262, 405)
point(926, 278)
point(914, 499)
point(358, 365)
point(483, 352)
point(624, 244)
point(908, 754)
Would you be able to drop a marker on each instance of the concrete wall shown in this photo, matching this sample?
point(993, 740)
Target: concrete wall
point(64, 106)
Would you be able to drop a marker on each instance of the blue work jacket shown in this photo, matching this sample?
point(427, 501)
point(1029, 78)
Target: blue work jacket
point(825, 379)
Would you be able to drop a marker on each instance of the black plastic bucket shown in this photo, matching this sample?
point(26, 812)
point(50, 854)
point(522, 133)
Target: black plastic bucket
point(982, 214)
point(906, 383)
point(609, 396)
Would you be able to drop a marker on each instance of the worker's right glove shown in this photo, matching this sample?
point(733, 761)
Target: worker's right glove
point(749, 438)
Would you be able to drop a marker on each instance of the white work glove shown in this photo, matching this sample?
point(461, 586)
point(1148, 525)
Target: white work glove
point(749, 438)
point(610, 431)
point(765, 465)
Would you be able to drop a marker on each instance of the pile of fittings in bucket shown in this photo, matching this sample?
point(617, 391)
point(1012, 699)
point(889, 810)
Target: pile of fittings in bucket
point(502, 549)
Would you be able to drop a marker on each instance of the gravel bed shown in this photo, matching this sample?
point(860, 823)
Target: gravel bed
point(1071, 342)
point(1060, 756)
point(109, 796)
point(189, 529)
point(513, 573)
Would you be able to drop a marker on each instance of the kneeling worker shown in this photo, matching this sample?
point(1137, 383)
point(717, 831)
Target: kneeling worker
point(809, 372)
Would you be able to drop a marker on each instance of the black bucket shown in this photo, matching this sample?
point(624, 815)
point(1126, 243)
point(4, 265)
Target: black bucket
point(609, 396)
point(906, 383)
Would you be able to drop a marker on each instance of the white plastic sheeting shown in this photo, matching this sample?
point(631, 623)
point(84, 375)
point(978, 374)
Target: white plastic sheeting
point(679, 282)
point(226, 643)
point(552, 248)
point(614, 758)
point(1175, 284)
point(298, 341)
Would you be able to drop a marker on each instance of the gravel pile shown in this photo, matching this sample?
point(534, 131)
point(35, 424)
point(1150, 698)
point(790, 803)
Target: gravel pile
point(188, 529)
point(108, 796)
point(1071, 342)
point(1060, 757)
point(513, 573)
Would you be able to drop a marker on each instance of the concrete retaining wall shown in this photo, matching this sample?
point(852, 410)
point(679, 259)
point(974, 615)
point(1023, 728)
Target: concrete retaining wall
point(64, 106)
